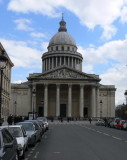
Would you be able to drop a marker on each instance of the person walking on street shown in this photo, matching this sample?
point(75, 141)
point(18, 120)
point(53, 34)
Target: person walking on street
point(90, 120)
point(10, 120)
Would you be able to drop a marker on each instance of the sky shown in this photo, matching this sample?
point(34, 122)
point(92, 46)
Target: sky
point(99, 28)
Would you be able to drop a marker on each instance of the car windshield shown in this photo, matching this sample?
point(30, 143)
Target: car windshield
point(15, 131)
point(42, 118)
point(27, 126)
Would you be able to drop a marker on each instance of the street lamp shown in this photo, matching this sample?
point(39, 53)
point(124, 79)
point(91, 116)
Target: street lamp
point(3, 61)
point(125, 94)
point(34, 93)
point(101, 108)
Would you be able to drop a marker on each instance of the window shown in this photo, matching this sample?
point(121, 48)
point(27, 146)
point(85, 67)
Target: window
point(7, 138)
point(62, 48)
point(56, 48)
point(51, 48)
point(68, 48)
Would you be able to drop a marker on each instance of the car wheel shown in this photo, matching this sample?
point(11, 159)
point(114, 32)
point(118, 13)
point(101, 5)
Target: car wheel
point(26, 148)
point(23, 156)
point(34, 142)
point(40, 138)
point(16, 156)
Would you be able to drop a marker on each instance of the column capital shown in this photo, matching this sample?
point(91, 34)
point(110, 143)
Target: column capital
point(69, 85)
point(57, 84)
point(45, 84)
point(82, 85)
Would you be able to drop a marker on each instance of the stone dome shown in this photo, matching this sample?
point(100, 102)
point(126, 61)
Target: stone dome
point(62, 37)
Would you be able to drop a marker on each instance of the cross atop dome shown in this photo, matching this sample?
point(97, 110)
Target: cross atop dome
point(62, 25)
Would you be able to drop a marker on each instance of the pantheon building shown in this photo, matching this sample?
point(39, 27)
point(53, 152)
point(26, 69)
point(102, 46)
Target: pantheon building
point(63, 89)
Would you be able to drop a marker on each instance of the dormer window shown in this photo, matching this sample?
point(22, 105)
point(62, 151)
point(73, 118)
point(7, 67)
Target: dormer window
point(62, 48)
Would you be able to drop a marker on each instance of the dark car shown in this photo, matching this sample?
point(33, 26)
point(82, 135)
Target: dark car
point(8, 146)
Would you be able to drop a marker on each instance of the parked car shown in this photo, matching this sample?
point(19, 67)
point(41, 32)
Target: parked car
point(114, 122)
point(32, 131)
point(19, 133)
point(100, 122)
point(125, 126)
point(42, 125)
point(8, 146)
point(120, 124)
point(44, 119)
point(38, 129)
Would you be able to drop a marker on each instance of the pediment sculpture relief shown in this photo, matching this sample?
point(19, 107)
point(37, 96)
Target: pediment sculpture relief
point(64, 73)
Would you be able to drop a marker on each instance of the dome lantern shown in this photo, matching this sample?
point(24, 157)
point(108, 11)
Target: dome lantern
point(62, 25)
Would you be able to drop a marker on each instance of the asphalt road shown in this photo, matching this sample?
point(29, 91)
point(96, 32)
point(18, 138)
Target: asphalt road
point(80, 141)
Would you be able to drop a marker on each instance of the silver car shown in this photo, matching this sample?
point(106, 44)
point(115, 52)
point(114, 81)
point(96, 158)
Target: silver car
point(32, 131)
point(44, 119)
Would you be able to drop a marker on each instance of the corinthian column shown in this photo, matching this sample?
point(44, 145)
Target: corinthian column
point(45, 100)
point(57, 100)
point(93, 102)
point(69, 100)
point(98, 100)
point(81, 100)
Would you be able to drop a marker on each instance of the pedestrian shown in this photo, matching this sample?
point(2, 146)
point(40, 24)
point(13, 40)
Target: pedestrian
point(10, 120)
point(61, 119)
point(90, 120)
point(106, 122)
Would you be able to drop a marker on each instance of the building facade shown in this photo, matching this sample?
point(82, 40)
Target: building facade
point(6, 85)
point(62, 89)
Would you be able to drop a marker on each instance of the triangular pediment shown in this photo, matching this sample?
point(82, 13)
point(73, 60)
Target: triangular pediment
point(65, 73)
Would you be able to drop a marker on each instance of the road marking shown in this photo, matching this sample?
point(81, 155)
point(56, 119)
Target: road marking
point(36, 155)
point(116, 138)
point(56, 152)
point(33, 148)
point(92, 129)
point(99, 132)
point(126, 141)
point(29, 155)
point(106, 134)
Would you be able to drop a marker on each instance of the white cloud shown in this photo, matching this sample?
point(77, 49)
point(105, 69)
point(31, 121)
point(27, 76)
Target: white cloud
point(18, 82)
point(109, 32)
point(112, 55)
point(124, 15)
point(45, 7)
point(117, 76)
point(91, 13)
point(22, 55)
point(23, 24)
point(37, 35)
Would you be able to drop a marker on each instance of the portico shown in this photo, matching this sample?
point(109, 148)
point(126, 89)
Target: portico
point(69, 97)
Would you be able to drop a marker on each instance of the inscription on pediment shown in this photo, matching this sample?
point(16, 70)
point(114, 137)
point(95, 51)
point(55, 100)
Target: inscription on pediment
point(64, 73)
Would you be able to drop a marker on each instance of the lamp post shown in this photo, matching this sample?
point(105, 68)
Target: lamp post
point(3, 61)
point(15, 103)
point(101, 108)
point(125, 94)
point(34, 93)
